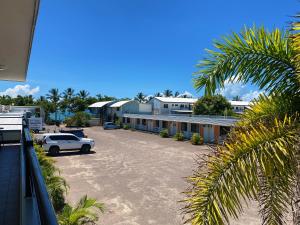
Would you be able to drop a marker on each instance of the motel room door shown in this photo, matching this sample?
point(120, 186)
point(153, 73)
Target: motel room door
point(208, 133)
point(173, 128)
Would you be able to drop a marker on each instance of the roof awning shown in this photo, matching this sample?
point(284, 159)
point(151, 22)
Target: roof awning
point(119, 104)
point(99, 104)
point(17, 22)
point(199, 119)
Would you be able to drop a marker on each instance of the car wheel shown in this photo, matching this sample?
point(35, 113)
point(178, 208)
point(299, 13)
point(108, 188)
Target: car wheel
point(85, 148)
point(54, 150)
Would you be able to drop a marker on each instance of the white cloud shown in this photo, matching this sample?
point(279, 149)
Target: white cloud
point(232, 89)
point(251, 95)
point(20, 90)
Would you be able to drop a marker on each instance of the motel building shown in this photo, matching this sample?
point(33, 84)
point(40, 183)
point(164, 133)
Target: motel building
point(213, 129)
point(172, 105)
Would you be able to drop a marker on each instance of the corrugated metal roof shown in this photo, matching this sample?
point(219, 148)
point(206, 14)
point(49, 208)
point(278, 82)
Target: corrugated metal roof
point(239, 103)
point(120, 103)
point(211, 120)
point(99, 104)
point(176, 100)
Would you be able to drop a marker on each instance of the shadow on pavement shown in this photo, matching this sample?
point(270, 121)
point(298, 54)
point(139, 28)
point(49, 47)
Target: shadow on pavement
point(70, 153)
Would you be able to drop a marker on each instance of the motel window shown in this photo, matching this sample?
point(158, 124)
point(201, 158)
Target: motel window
point(118, 108)
point(183, 126)
point(165, 124)
point(124, 120)
point(157, 123)
point(176, 104)
point(144, 122)
point(138, 121)
point(128, 120)
point(166, 106)
point(181, 106)
point(195, 128)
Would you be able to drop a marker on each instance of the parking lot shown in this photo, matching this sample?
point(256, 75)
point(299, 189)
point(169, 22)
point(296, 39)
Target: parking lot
point(138, 176)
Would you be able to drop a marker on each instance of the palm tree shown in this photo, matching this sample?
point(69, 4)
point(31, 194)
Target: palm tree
point(140, 97)
point(83, 213)
point(176, 94)
point(99, 97)
point(236, 98)
point(158, 94)
point(68, 100)
point(68, 93)
point(260, 158)
point(168, 93)
point(54, 98)
point(83, 94)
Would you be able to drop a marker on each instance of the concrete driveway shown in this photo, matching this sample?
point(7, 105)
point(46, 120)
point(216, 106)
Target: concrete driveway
point(138, 176)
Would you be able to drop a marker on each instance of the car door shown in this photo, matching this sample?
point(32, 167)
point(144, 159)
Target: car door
point(61, 141)
point(73, 142)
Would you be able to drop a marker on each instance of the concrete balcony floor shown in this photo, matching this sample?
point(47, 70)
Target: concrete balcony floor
point(10, 184)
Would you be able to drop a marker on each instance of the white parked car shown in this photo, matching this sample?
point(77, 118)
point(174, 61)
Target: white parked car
point(55, 142)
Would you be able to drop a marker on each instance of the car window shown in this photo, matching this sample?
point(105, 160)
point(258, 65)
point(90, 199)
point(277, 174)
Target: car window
point(78, 133)
point(56, 137)
point(73, 138)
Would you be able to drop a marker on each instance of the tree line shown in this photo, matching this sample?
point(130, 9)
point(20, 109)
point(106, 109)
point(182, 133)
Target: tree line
point(66, 101)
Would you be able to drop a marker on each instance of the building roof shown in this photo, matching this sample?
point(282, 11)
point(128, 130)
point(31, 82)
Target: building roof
point(199, 119)
point(99, 104)
point(120, 103)
point(176, 100)
point(17, 22)
point(239, 103)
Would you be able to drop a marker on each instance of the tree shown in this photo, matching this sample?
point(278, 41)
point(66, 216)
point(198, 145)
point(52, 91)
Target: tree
point(68, 93)
point(260, 159)
point(176, 94)
point(140, 97)
point(6, 100)
point(158, 94)
point(67, 102)
point(236, 98)
point(212, 105)
point(54, 98)
point(83, 94)
point(168, 93)
point(85, 212)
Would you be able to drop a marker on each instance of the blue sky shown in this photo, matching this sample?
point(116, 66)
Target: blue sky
point(121, 47)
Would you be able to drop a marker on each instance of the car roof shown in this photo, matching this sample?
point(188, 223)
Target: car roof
point(55, 134)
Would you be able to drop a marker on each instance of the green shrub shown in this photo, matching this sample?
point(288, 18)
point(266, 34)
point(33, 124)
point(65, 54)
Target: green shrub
point(126, 127)
point(56, 185)
point(119, 122)
point(80, 119)
point(196, 139)
point(179, 136)
point(164, 133)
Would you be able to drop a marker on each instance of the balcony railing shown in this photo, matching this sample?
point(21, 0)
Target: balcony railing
point(36, 207)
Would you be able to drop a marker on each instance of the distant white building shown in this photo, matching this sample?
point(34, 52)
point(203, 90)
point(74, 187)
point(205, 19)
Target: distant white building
point(239, 106)
point(185, 94)
point(119, 108)
point(172, 105)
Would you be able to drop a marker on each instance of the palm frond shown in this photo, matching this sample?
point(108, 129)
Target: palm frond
point(274, 187)
point(231, 176)
point(295, 37)
point(255, 55)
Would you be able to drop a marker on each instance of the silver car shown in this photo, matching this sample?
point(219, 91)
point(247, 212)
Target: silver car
point(110, 125)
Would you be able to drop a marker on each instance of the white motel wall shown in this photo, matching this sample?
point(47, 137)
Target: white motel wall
point(213, 129)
